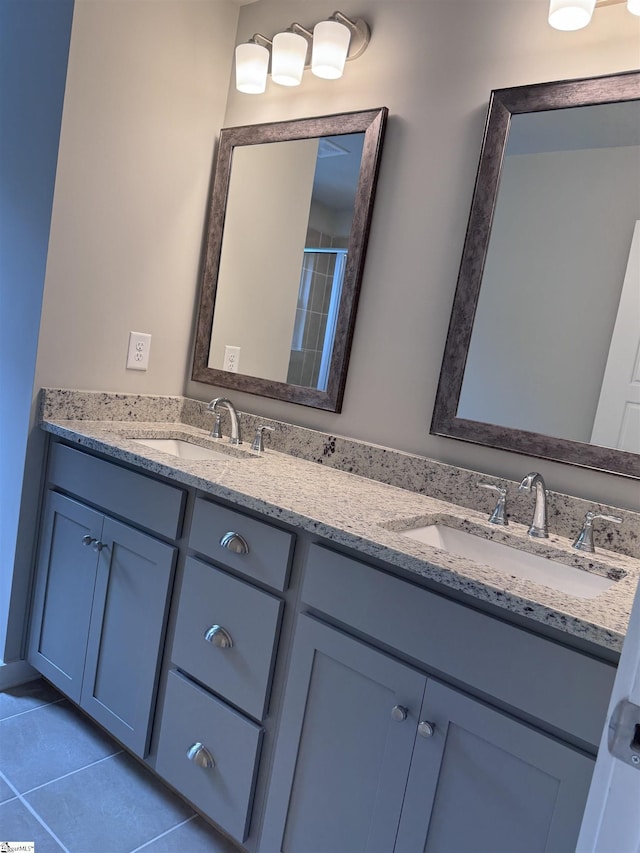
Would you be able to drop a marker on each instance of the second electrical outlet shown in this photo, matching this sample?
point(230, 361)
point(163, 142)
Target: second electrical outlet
point(231, 359)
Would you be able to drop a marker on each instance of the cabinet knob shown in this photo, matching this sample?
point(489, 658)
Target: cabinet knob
point(399, 713)
point(98, 546)
point(426, 729)
point(217, 635)
point(200, 755)
point(234, 542)
point(88, 540)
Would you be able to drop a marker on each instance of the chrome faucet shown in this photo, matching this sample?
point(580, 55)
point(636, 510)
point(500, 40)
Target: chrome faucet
point(236, 433)
point(539, 528)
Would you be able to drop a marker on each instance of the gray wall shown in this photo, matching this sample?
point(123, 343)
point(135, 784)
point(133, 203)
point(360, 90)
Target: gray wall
point(261, 258)
point(34, 44)
point(433, 64)
point(144, 101)
point(146, 94)
point(552, 281)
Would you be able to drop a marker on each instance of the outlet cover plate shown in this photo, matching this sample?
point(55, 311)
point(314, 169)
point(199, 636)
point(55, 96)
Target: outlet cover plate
point(138, 352)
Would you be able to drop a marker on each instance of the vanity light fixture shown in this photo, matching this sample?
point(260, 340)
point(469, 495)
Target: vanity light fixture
point(575, 14)
point(288, 57)
point(252, 64)
point(325, 51)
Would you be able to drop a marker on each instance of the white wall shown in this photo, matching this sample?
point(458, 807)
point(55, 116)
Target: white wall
point(433, 63)
point(34, 42)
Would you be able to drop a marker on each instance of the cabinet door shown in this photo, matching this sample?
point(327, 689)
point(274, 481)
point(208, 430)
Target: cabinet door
point(126, 632)
point(341, 760)
point(65, 580)
point(486, 783)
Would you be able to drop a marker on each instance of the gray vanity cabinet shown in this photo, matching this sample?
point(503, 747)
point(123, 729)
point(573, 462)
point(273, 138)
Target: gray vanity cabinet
point(483, 781)
point(347, 733)
point(100, 606)
point(215, 708)
point(374, 754)
point(65, 582)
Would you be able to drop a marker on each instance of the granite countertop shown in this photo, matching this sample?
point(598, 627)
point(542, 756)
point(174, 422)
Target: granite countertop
point(369, 517)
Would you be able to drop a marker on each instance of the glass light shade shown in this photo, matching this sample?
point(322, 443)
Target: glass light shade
point(570, 14)
point(330, 47)
point(252, 64)
point(288, 58)
point(633, 6)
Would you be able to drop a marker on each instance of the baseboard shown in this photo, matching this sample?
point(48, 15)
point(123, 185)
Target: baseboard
point(16, 672)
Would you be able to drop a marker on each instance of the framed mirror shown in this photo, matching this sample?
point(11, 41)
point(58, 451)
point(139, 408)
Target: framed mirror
point(543, 351)
point(289, 220)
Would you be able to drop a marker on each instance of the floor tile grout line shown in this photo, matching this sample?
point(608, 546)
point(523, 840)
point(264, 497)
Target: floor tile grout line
point(72, 772)
point(163, 834)
point(33, 812)
point(30, 710)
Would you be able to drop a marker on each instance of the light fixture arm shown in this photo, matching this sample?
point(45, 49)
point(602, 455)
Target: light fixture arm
point(360, 34)
point(263, 41)
point(307, 35)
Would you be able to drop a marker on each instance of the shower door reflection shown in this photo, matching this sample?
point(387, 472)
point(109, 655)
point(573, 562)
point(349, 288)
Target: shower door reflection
point(316, 316)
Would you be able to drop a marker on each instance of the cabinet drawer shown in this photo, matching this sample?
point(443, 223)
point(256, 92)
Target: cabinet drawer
point(566, 688)
point(241, 672)
point(140, 499)
point(224, 790)
point(269, 549)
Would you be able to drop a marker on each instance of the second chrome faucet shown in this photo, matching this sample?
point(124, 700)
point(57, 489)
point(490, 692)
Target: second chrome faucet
point(539, 526)
point(236, 432)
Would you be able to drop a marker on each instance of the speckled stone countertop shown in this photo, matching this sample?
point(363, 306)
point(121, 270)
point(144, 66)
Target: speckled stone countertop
point(368, 516)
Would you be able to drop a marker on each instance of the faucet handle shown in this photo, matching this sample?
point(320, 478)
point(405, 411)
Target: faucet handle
point(499, 514)
point(584, 541)
point(257, 444)
point(216, 431)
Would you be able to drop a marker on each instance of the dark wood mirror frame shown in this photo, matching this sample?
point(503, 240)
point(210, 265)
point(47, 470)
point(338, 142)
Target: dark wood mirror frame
point(370, 122)
point(505, 103)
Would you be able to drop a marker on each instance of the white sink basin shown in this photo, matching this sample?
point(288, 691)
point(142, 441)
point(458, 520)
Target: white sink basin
point(512, 561)
point(182, 449)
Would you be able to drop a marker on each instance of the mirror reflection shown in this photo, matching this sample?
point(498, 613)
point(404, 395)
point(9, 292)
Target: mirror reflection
point(293, 201)
point(557, 324)
point(289, 222)
point(543, 350)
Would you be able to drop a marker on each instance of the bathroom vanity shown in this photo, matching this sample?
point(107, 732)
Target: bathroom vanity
point(259, 630)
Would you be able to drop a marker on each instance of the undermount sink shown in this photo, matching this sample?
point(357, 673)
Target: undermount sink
point(512, 561)
point(183, 449)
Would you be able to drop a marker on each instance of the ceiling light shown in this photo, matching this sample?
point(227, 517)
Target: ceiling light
point(570, 14)
point(575, 14)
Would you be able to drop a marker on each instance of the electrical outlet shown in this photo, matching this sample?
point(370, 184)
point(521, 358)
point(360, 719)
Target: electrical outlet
point(138, 352)
point(231, 361)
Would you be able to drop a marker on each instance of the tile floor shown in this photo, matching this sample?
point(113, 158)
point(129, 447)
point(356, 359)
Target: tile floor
point(67, 786)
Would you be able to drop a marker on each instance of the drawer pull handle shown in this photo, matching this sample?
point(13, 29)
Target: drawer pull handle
point(426, 729)
point(217, 635)
point(399, 713)
point(200, 755)
point(234, 542)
